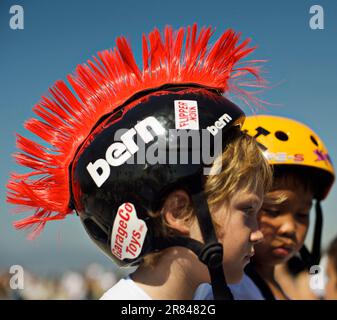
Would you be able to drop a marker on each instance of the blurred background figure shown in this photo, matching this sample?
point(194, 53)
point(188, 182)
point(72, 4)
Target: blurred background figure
point(4, 286)
point(75, 286)
point(319, 283)
point(331, 272)
point(98, 280)
point(88, 284)
point(296, 280)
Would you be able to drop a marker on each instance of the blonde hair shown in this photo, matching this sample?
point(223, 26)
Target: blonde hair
point(243, 167)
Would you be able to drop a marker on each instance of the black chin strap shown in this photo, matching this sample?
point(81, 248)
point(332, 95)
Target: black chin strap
point(210, 253)
point(314, 257)
point(259, 282)
point(316, 246)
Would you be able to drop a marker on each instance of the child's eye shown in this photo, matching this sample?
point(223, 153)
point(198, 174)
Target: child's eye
point(302, 215)
point(271, 212)
point(246, 210)
point(249, 211)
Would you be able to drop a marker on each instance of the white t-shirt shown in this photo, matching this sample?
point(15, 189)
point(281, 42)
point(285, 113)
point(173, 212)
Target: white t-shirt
point(245, 290)
point(125, 289)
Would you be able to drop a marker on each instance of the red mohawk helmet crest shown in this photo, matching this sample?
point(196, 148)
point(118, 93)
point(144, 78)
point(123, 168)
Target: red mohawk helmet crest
point(103, 85)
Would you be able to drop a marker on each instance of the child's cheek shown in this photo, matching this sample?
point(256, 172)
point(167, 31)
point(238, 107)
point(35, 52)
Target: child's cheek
point(267, 228)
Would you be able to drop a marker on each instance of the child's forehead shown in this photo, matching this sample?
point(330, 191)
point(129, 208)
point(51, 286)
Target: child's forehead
point(289, 196)
point(248, 195)
point(250, 189)
point(293, 180)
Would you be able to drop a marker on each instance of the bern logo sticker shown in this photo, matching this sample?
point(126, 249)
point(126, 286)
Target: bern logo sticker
point(219, 124)
point(186, 114)
point(119, 152)
point(128, 233)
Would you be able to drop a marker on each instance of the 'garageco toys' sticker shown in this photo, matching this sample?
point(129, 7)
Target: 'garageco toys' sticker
point(128, 233)
point(186, 114)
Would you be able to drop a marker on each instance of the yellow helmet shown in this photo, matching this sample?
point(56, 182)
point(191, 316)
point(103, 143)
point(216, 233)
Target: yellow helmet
point(289, 142)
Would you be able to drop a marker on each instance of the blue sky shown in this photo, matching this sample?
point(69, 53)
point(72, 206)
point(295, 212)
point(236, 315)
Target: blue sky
point(58, 35)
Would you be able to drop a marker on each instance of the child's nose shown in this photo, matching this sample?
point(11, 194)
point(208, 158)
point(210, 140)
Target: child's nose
point(256, 236)
point(288, 227)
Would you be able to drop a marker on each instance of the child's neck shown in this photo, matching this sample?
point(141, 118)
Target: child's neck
point(267, 272)
point(172, 277)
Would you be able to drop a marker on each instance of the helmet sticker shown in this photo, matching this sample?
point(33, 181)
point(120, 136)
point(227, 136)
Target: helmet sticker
point(186, 114)
point(321, 156)
point(119, 152)
point(283, 156)
point(219, 124)
point(128, 233)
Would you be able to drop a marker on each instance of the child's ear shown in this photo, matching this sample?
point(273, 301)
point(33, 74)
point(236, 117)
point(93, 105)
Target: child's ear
point(175, 209)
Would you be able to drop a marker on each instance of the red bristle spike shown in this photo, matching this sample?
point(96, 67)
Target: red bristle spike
point(145, 58)
point(167, 46)
point(187, 45)
point(128, 58)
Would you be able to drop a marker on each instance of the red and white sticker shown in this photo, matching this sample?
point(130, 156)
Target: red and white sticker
point(128, 233)
point(186, 114)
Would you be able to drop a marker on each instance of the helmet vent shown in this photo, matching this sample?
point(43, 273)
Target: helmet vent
point(95, 230)
point(314, 141)
point(281, 136)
